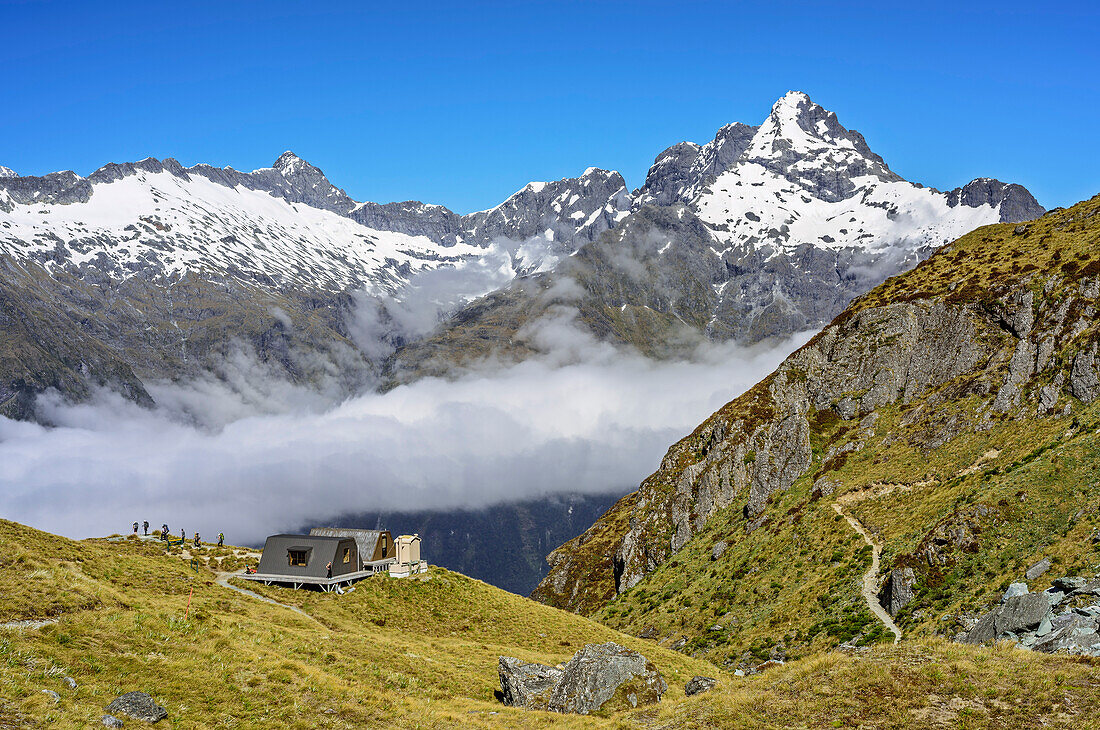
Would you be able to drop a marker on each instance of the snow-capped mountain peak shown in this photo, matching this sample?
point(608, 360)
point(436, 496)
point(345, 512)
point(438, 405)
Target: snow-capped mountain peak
point(291, 164)
point(7, 172)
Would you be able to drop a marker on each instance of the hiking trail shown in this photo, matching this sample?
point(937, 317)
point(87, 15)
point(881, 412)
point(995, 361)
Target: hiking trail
point(870, 578)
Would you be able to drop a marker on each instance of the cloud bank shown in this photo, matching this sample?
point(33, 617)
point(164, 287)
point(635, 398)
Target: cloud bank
point(587, 419)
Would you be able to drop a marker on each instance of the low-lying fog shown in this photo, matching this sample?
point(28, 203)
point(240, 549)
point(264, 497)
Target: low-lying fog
point(585, 418)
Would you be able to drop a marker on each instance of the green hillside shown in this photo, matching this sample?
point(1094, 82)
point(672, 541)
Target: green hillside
point(952, 411)
point(422, 654)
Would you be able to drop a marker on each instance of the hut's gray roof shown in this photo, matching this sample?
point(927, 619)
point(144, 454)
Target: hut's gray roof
point(365, 539)
point(323, 549)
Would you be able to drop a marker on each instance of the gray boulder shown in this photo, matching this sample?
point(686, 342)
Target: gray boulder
point(69, 682)
point(598, 677)
point(52, 695)
point(607, 677)
point(1074, 635)
point(110, 721)
point(527, 684)
point(1017, 614)
point(1069, 584)
point(1038, 569)
point(719, 549)
point(1016, 589)
point(138, 706)
point(898, 590)
point(698, 685)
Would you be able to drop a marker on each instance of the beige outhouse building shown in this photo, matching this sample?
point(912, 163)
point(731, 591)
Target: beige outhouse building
point(407, 561)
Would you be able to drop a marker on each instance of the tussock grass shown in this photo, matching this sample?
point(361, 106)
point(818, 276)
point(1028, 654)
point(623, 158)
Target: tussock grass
point(421, 653)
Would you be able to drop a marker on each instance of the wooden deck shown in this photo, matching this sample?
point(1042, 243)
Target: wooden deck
point(325, 584)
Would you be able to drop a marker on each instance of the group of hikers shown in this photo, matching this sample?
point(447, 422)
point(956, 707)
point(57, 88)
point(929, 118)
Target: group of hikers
point(167, 536)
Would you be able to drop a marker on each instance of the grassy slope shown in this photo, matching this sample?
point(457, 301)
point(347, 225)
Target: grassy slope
point(393, 652)
point(792, 585)
point(410, 653)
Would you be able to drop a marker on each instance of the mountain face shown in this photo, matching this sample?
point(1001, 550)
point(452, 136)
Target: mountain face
point(951, 413)
point(152, 271)
point(763, 232)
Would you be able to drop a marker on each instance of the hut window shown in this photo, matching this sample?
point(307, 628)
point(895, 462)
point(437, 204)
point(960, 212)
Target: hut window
point(347, 555)
point(384, 548)
point(297, 557)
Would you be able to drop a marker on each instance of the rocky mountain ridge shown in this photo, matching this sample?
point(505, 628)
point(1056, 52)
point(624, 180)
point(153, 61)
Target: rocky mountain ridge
point(763, 232)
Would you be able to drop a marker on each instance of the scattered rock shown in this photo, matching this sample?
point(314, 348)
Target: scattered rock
point(52, 695)
point(1020, 230)
point(1017, 614)
point(139, 706)
point(1016, 589)
point(110, 721)
point(698, 685)
point(679, 643)
point(1075, 635)
point(1069, 584)
point(527, 684)
point(649, 632)
point(607, 676)
point(69, 682)
point(719, 549)
point(1038, 569)
point(716, 627)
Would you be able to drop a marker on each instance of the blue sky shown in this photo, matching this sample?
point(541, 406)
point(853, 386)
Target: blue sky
point(463, 103)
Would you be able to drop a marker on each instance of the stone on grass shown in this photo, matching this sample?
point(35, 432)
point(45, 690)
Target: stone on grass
point(110, 721)
point(1038, 569)
point(69, 682)
point(699, 684)
point(55, 697)
point(138, 706)
point(607, 677)
point(719, 549)
point(527, 684)
point(598, 677)
point(1016, 589)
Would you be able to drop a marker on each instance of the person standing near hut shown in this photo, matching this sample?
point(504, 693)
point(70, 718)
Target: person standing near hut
point(145, 526)
point(183, 536)
point(164, 532)
point(221, 539)
point(329, 569)
point(135, 528)
point(197, 541)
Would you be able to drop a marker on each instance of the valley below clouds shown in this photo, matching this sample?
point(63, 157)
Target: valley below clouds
point(584, 418)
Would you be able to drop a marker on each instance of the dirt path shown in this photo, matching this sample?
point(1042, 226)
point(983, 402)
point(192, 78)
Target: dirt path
point(223, 581)
point(870, 578)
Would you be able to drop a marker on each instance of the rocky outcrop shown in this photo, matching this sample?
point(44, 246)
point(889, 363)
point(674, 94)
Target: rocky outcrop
point(527, 684)
point(139, 706)
point(1054, 621)
point(1014, 202)
point(599, 677)
point(698, 685)
point(1015, 615)
point(607, 677)
point(897, 592)
point(918, 343)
